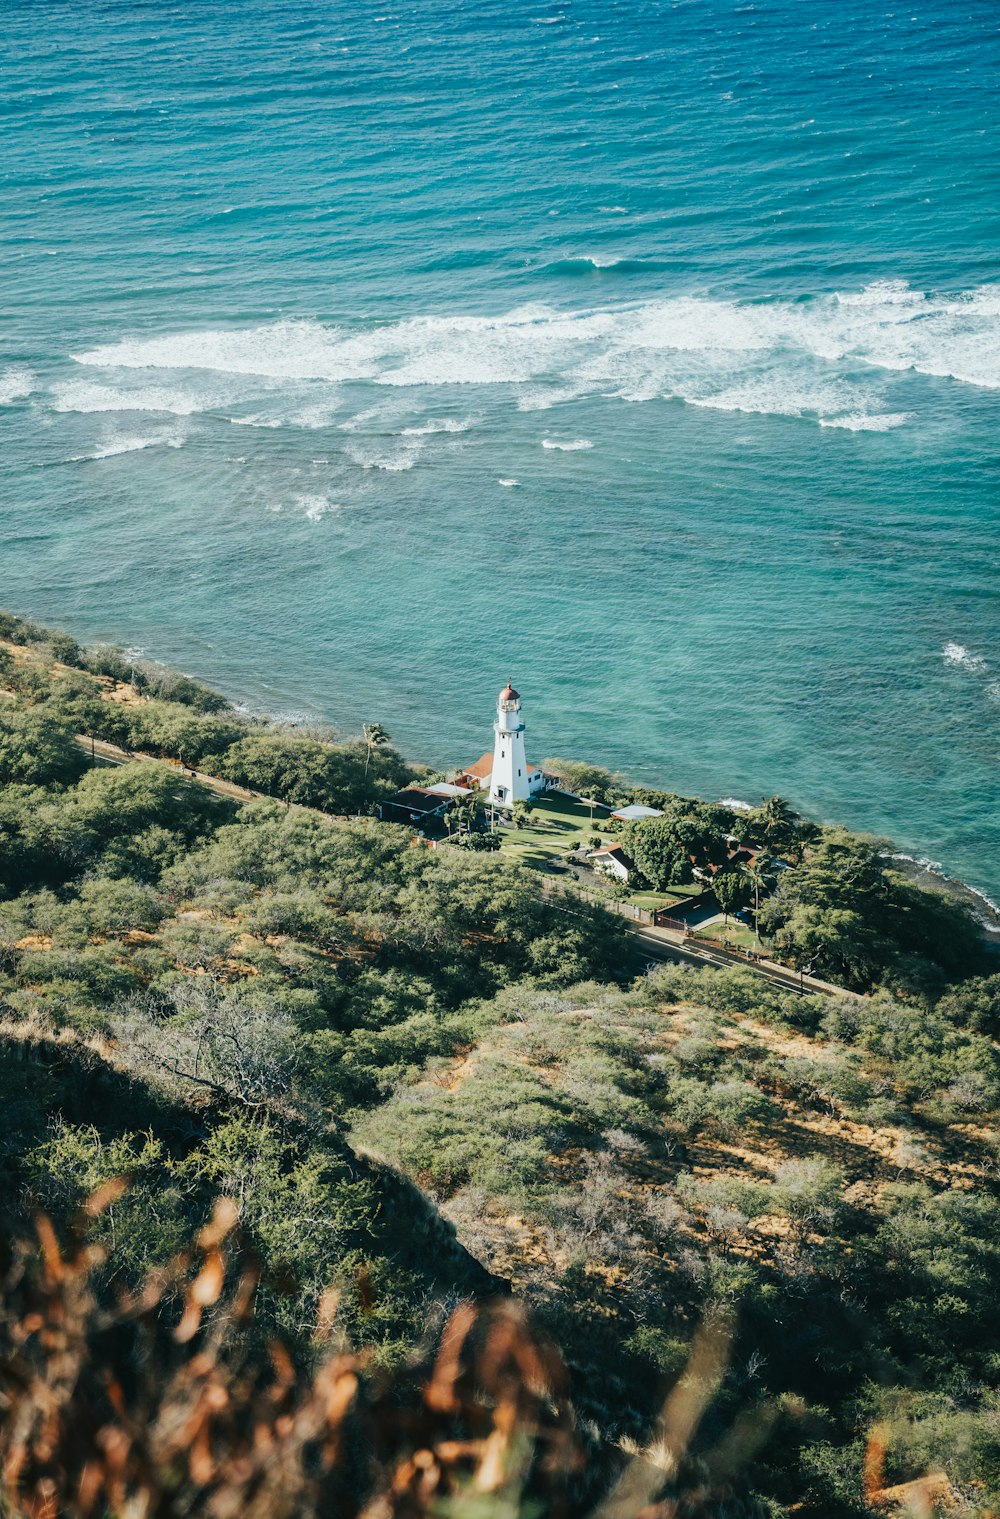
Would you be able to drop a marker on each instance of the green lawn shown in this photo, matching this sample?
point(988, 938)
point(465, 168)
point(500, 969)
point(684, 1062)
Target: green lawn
point(557, 825)
point(652, 901)
point(734, 933)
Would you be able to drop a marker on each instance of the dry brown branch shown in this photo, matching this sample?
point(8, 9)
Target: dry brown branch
point(161, 1405)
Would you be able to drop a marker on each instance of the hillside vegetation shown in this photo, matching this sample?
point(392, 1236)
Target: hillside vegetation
point(417, 1076)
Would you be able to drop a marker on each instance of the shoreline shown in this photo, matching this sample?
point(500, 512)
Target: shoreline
point(918, 868)
point(921, 870)
point(931, 877)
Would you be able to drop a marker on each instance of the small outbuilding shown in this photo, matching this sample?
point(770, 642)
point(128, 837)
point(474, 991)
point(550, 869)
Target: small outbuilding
point(613, 862)
point(634, 811)
point(415, 804)
point(448, 789)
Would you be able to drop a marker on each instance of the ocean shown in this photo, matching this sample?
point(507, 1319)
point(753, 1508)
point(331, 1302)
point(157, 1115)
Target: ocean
point(359, 357)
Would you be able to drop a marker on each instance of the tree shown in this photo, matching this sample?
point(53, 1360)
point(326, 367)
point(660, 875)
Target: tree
point(974, 1005)
point(375, 737)
point(779, 824)
point(463, 816)
point(483, 843)
point(522, 814)
point(588, 780)
point(845, 912)
point(658, 852)
point(37, 748)
point(758, 874)
point(667, 848)
point(731, 890)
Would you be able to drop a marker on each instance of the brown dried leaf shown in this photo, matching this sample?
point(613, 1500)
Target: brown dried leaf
point(190, 1320)
point(207, 1285)
point(105, 1196)
point(225, 1217)
point(50, 1248)
point(440, 1392)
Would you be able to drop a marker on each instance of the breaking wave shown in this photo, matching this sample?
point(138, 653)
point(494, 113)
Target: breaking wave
point(89, 398)
point(378, 456)
point(859, 421)
point(449, 424)
point(597, 263)
point(958, 654)
point(113, 446)
point(314, 508)
point(820, 357)
point(15, 384)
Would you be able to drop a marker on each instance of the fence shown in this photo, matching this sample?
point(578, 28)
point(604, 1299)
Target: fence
point(623, 909)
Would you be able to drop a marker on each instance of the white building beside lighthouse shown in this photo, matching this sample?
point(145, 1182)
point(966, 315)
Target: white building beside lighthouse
point(505, 773)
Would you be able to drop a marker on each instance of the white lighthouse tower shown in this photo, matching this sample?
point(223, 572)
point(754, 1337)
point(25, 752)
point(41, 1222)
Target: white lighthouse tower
point(510, 782)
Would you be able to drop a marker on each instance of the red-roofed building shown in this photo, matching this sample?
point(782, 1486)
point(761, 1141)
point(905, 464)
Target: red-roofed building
point(505, 773)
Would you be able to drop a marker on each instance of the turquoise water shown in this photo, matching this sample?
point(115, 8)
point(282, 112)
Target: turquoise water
point(358, 357)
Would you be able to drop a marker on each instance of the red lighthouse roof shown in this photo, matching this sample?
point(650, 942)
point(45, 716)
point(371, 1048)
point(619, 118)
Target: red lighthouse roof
point(509, 694)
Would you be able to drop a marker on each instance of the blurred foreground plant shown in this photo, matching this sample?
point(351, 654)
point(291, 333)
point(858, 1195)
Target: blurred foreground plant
point(168, 1404)
point(161, 1404)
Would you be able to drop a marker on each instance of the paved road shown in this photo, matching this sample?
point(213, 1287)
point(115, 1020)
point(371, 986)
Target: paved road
point(673, 945)
point(658, 943)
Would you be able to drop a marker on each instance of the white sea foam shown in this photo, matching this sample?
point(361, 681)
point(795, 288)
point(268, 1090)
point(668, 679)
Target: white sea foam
point(314, 507)
point(859, 421)
point(377, 456)
point(380, 415)
point(567, 448)
point(317, 414)
point(776, 395)
point(787, 357)
point(15, 384)
point(447, 424)
point(508, 483)
point(735, 804)
point(958, 654)
point(84, 396)
point(115, 444)
point(882, 293)
point(601, 260)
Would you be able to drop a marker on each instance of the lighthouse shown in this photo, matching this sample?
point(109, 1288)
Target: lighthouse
point(511, 779)
point(505, 774)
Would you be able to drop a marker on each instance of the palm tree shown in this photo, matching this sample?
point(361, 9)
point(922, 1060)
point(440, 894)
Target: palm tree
point(777, 813)
point(375, 737)
point(779, 820)
point(463, 815)
point(522, 814)
point(759, 875)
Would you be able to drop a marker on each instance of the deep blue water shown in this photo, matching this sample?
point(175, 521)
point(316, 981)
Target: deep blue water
point(356, 357)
